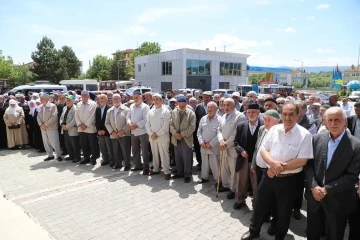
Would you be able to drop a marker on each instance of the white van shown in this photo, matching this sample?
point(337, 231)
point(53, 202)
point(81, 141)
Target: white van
point(88, 84)
point(48, 88)
point(141, 89)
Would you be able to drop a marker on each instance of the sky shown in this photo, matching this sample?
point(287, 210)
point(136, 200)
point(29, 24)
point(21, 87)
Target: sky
point(273, 32)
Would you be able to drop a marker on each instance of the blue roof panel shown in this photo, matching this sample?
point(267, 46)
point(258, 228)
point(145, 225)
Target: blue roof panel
point(267, 69)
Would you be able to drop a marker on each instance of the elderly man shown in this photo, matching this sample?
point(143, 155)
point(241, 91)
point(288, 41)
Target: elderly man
point(346, 106)
point(136, 120)
point(221, 111)
point(286, 149)
point(69, 130)
point(270, 103)
point(209, 142)
point(236, 97)
point(312, 99)
point(60, 104)
point(280, 102)
point(193, 102)
point(258, 166)
point(200, 111)
point(216, 98)
point(148, 99)
point(331, 177)
point(109, 95)
point(85, 121)
point(182, 126)
point(157, 127)
point(47, 119)
point(333, 100)
point(197, 95)
point(245, 140)
point(119, 131)
point(226, 135)
point(103, 134)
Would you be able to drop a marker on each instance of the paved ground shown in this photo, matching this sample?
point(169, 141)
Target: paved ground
point(84, 202)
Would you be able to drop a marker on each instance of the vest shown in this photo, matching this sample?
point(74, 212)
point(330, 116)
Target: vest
point(251, 142)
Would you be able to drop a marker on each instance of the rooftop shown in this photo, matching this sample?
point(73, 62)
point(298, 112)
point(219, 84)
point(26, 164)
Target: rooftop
point(353, 69)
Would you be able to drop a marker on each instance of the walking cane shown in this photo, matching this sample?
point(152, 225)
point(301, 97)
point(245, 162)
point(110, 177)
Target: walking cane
point(218, 182)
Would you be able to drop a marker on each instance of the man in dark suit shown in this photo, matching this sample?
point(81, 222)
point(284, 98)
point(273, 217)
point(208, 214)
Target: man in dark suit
point(354, 121)
point(331, 177)
point(200, 111)
point(245, 141)
point(103, 134)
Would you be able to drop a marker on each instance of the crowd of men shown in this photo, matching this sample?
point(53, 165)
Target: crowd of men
point(267, 147)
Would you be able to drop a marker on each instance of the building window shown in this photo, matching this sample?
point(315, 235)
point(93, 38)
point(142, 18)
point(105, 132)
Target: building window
point(224, 85)
point(139, 67)
point(166, 68)
point(196, 67)
point(230, 69)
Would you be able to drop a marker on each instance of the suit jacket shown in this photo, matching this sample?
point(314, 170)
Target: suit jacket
point(100, 121)
point(261, 136)
point(241, 141)
point(121, 123)
point(85, 114)
point(49, 117)
point(199, 113)
point(70, 121)
point(227, 131)
point(340, 177)
point(186, 128)
point(352, 123)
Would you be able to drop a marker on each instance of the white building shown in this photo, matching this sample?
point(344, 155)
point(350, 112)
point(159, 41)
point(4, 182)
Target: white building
point(191, 68)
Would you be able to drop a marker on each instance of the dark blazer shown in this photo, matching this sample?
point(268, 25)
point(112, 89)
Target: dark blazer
point(199, 113)
point(340, 177)
point(241, 142)
point(352, 123)
point(100, 122)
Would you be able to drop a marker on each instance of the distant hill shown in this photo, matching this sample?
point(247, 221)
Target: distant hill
point(320, 69)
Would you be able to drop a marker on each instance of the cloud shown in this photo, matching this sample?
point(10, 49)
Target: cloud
point(156, 13)
point(322, 6)
point(320, 50)
point(231, 43)
point(311, 18)
point(288, 30)
point(152, 34)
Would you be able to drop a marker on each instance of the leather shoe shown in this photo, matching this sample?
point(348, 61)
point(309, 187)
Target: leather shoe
point(116, 166)
point(153, 173)
point(271, 230)
point(84, 161)
point(49, 158)
point(69, 158)
point(176, 176)
point(238, 205)
point(167, 176)
point(223, 189)
point(104, 163)
point(187, 179)
point(112, 164)
point(249, 235)
point(202, 181)
point(127, 169)
point(297, 214)
point(136, 169)
point(59, 159)
point(75, 160)
point(146, 172)
point(230, 195)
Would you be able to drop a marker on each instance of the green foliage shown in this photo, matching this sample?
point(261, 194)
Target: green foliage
point(54, 65)
point(320, 80)
point(6, 66)
point(119, 70)
point(145, 48)
point(256, 78)
point(297, 85)
point(100, 68)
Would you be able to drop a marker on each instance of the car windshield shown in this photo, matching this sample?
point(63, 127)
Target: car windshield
point(355, 94)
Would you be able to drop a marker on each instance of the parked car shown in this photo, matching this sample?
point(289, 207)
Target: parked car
point(354, 96)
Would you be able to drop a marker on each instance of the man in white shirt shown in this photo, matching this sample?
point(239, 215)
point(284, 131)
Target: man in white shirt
point(85, 121)
point(136, 120)
point(286, 149)
point(346, 106)
point(158, 128)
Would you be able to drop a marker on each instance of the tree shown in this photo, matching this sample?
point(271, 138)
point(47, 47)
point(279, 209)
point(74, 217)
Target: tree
point(119, 70)
point(297, 85)
point(6, 66)
point(46, 60)
point(21, 75)
point(100, 68)
point(69, 64)
point(146, 48)
point(256, 78)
